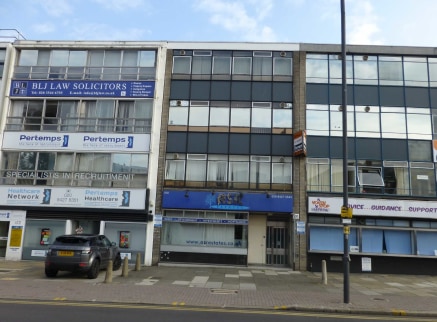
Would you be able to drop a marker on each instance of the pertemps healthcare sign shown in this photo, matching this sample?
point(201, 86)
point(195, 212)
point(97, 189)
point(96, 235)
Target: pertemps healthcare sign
point(374, 207)
point(76, 141)
point(73, 197)
point(68, 88)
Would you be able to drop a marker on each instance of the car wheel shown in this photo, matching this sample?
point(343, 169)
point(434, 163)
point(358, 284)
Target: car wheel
point(51, 272)
point(117, 263)
point(94, 269)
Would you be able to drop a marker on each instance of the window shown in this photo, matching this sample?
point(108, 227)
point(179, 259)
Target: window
point(219, 116)
point(317, 117)
point(393, 122)
point(367, 121)
point(196, 170)
point(282, 66)
point(370, 176)
point(201, 63)
point(335, 69)
point(423, 179)
point(318, 174)
point(221, 66)
point(238, 171)
point(317, 68)
point(396, 178)
point(178, 113)
point(262, 64)
point(281, 172)
point(242, 65)
point(415, 71)
point(199, 114)
point(419, 123)
point(260, 172)
point(337, 175)
point(217, 171)
point(261, 115)
point(365, 70)
point(390, 70)
point(181, 65)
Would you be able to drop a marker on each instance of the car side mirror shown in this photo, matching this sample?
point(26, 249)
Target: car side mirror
point(113, 243)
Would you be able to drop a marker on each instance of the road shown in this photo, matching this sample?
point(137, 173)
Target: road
point(42, 311)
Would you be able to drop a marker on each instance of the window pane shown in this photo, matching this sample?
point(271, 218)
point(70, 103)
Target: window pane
point(240, 117)
point(317, 70)
point(282, 66)
point(261, 117)
point(390, 73)
point(147, 58)
point(242, 65)
point(28, 58)
point(178, 115)
point(59, 58)
point(219, 116)
point(423, 182)
point(77, 58)
point(202, 65)
point(282, 118)
point(365, 70)
point(222, 66)
point(199, 116)
point(416, 73)
point(262, 66)
point(181, 65)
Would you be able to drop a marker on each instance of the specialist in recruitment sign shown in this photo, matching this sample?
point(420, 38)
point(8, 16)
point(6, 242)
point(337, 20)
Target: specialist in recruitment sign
point(68, 88)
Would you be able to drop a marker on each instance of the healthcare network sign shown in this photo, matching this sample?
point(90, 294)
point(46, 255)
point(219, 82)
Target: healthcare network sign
point(73, 197)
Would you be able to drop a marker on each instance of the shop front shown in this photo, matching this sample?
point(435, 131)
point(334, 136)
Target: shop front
point(224, 227)
point(386, 235)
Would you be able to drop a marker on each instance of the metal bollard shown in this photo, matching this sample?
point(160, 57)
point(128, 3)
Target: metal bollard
point(124, 271)
point(324, 273)
point(108, 276)
point(138, 262)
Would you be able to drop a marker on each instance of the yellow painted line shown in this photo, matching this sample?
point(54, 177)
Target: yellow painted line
point(60, 299)
point(399, 312)
point(227, 310)
point(9, 278)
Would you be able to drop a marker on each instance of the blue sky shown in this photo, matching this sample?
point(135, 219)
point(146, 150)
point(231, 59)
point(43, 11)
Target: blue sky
point(373, 22)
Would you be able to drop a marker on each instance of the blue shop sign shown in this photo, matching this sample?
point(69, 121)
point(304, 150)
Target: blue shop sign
point(69, 88)
point(228, 201)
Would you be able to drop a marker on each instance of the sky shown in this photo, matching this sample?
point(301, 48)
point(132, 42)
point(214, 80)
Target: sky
point(368, 22)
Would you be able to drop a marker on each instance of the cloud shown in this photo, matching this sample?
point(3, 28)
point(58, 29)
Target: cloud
point(105, 32)
point(243, 17)
point(43, 28)
point(362, 24)
point(121, 5)
point(56, 8)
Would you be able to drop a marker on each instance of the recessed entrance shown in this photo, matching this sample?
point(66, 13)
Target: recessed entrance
point(4, 230)
point(277, 243)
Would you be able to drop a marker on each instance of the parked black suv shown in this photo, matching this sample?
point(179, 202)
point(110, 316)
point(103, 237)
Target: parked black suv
point(85, 253)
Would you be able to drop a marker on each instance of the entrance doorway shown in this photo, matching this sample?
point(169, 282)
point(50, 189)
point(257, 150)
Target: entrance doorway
point(277, 243)
point(4, 231)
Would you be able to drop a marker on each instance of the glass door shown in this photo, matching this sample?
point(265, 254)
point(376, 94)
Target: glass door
point(4, 230)
point(277, 243)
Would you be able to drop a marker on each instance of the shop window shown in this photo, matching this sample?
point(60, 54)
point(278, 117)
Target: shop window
point(426, 243)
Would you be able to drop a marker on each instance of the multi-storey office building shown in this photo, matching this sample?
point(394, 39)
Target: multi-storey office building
point(232, 112)
point(250, 151)
point(80, 121)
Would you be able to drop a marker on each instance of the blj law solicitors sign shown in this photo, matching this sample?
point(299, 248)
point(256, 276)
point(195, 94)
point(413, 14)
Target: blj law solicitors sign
point(68, 88)
point(73, 197)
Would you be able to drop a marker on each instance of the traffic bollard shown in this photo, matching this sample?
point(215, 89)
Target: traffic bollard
point(108, 276)
point(138, 262)
point(125, 269)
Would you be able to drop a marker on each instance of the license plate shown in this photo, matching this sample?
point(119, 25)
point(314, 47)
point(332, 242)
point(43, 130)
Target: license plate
point(65, 253)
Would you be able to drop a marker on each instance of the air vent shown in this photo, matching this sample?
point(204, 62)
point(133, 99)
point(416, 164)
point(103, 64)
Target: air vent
point(182, 52)
point(283, 54)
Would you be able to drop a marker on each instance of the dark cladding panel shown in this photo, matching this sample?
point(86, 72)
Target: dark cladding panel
point(180, 90)
point(239, 143)
point(260, 144)
point(218, 143)
point(197, 143)
point(176, 142)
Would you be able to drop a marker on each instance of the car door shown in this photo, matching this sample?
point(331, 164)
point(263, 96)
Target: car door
point(105, 250)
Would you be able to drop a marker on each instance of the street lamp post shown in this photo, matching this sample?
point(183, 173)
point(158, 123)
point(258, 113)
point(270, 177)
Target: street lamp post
point(346, 212)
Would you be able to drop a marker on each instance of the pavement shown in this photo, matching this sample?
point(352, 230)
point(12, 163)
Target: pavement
point(266, 288)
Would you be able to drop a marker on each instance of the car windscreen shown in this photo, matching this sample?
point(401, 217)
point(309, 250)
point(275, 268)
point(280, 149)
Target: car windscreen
point(72, 241)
